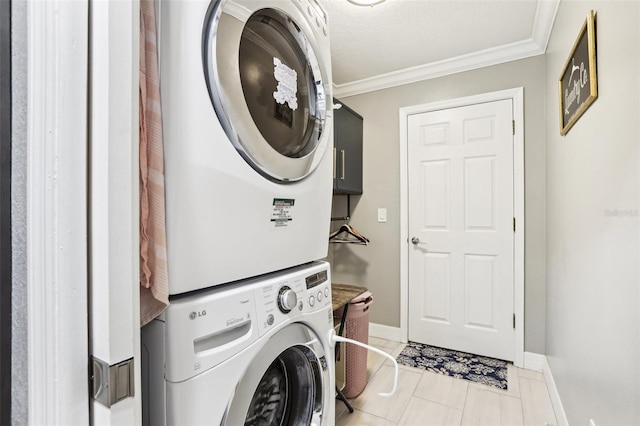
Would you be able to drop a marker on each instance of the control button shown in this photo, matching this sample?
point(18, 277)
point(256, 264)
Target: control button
point(319, 296)
point(326, 292)
point(300, 305)
point(270, 319)
point(310, 9)
point(312, 300)
point(287, 299)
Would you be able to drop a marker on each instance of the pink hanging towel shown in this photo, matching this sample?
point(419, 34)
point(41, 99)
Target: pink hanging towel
point(154, 290)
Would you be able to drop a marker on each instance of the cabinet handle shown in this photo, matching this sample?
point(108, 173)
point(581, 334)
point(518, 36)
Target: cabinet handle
point(335, 159)
point(344, 160)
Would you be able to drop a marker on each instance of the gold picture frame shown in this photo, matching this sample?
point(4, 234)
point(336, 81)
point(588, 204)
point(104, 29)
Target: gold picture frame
point(579, 74)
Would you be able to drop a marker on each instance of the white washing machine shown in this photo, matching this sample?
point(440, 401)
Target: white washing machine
point(247, 121)
point(252, 353)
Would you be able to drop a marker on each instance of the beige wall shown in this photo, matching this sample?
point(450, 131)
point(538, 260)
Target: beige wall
point(593, 199)
point(377, 266)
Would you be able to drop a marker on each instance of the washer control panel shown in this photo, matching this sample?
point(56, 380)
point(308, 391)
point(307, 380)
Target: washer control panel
point(316, 291)
point(287, 299)
point(293, 296)
point(205, 329)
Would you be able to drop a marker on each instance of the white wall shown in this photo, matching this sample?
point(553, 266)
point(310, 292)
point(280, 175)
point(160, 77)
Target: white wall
point(377, 266)
point(592, 328)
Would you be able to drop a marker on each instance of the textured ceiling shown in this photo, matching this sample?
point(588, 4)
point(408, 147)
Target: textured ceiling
point(395, 35)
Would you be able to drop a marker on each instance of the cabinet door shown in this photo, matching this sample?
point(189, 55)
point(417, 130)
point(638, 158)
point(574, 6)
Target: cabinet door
point(348, 150)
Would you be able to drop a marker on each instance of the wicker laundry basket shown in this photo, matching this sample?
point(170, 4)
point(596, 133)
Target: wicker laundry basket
point(357, 328)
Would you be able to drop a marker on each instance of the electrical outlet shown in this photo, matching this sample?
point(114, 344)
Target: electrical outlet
point(382, 215)
point(592, 423)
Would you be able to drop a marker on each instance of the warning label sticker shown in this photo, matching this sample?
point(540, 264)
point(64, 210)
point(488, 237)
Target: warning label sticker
point(282, 212)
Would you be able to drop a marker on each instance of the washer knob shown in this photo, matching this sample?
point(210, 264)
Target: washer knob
point(287, 299)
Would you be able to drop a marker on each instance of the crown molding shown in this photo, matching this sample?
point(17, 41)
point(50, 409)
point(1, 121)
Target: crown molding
point(543, 23)
point(536, 45)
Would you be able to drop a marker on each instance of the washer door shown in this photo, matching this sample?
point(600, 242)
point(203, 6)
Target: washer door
point(268, 85)
point(284, 383)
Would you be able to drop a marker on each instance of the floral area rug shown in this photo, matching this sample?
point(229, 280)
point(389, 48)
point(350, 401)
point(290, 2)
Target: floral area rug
point(487, 371)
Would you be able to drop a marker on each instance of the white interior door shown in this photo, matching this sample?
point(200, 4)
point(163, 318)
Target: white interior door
point(461, 228)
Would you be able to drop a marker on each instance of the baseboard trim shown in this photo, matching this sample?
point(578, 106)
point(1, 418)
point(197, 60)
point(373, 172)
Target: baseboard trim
point(538, 362)
point(382, 331)
point(561, 416)
point(534, 361)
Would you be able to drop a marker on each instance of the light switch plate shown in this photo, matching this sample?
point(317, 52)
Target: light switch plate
point(382, 215)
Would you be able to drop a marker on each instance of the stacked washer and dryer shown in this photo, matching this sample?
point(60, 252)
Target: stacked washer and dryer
point(247, 121)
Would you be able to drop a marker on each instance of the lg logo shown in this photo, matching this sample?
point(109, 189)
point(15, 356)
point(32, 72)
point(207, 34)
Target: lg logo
point(193, 315)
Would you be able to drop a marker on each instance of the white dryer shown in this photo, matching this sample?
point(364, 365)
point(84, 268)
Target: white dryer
point(252, 353)
point(247, 121)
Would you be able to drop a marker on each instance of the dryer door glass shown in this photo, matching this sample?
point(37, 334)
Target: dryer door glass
point(268, 86)
point(279, 83)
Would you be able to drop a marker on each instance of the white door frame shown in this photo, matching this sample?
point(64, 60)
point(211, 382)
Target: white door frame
point(517, 96)
point(57, 212)
point(57, 205)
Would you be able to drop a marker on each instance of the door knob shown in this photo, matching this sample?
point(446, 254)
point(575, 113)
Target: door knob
point(416, 241)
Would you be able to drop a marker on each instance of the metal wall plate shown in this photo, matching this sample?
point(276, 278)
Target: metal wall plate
point(112, 383)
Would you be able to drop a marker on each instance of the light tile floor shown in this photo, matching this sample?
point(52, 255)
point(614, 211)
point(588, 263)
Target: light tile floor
point(426, 398)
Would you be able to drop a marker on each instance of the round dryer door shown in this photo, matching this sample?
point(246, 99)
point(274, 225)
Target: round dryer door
point(285, 383)
point(268, 83)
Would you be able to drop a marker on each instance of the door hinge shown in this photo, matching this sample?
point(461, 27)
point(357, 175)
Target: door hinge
point(111, 383)
point(514, 321)
point(513, 127)
point(514, 225)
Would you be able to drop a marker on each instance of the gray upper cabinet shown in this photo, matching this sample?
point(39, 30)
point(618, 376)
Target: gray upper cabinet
point(347, 152)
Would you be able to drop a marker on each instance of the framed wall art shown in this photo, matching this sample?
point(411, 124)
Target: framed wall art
point(578, 84)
